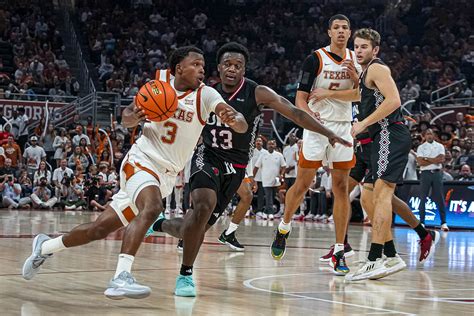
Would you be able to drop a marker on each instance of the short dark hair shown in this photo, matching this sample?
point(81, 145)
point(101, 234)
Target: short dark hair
point(338, 17)
point(368, 34)
point(181, 53)
point(233, 47)
point(21, 110)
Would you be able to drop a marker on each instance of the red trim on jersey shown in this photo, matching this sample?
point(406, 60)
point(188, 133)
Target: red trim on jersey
point(238, 89)
point(157, 74)
point(337, 62)
point(185, 94)
point(350, 54)
point(198, 105)
point(365, 141)
point(168, 75)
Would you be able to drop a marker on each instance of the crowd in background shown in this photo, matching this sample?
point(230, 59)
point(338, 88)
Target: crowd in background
point(32, 62)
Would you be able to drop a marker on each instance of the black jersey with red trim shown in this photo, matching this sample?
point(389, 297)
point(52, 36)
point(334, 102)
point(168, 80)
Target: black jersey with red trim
point(371, 99)
point(223, 141)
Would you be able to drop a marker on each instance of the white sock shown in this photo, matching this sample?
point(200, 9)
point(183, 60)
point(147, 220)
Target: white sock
point(124, 264)
point(232, 228)
point(52, 246)
point(284, 228)
point(282, 208)
point(338, 247)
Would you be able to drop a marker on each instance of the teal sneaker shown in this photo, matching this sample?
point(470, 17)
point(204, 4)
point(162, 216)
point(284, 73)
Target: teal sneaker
point(150, 230)
point(185, 286)
point(278, 247)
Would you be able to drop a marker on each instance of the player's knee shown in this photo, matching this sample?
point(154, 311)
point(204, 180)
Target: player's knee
point(202, 210)
point(246, 197)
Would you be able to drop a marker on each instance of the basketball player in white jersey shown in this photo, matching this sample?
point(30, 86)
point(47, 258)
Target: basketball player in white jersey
point(148, 172)
point(325, 68)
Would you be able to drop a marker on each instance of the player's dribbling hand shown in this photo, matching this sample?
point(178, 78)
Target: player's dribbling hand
point(319, 94)
point(333, 139)
point(357, 128)
point(138, 112)
point(227, 116)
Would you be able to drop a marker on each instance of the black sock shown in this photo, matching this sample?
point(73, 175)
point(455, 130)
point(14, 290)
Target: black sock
point(157, 225)
point(345, 239)
point(421, 231)
point(375, 251)
point(186, 270)
point(389, 249)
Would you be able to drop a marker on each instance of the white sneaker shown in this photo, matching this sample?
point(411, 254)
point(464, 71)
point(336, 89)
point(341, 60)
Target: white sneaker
point(445, 227)
point(309, 217)
point(317, 218)
point(247, 214)
point(278, 215)
point(330, 219)
point(124, 286)
point(264, 216)
point(180, 211)
point(271, 217)
point(394, 264)
point(368, 270)
point(72, 207)
point(167, 211)
point(324, 218)
point(259, 214)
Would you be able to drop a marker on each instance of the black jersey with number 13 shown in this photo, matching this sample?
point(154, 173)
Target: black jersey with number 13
point(220, 139)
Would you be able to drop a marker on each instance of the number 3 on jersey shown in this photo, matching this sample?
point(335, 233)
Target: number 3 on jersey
point(226, 138)
point(170, 136)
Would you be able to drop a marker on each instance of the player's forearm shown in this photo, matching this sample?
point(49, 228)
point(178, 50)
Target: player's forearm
point(301, 101)
point(352, 95)
point(306, 121)
point(240, 125)
point(255, 170)
point(385, 109)
point(128, 118)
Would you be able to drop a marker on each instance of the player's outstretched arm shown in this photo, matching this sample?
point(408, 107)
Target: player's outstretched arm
point(352, 95)
point(132, 115)
point(380, 77)
point(266, 96)
point(231, 117)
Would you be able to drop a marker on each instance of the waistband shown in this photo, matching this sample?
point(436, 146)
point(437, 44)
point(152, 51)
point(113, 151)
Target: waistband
point(240, 166)
point(365, 141)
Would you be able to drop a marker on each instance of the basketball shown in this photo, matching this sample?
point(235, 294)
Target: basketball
point(158, 99)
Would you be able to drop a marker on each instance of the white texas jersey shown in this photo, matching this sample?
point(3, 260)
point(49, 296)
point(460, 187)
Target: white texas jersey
point(170, 143)
point(331, 75)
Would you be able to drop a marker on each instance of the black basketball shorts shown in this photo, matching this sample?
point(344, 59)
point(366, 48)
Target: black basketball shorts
point(208, 171)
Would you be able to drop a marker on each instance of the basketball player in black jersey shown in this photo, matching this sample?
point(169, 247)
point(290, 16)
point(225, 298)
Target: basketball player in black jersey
point(218, 165)
point(380, 114)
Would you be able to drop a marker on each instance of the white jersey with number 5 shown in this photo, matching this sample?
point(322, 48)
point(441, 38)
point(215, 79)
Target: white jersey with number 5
point(169, 144)
point(332, 75)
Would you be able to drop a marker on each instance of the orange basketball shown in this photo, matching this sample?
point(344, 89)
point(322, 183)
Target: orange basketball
point(158, 99)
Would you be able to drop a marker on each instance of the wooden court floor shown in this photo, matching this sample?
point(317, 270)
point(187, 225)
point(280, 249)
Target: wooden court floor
point(250, 283)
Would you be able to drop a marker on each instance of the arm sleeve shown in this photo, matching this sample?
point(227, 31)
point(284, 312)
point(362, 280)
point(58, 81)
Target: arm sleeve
point(308, 73)
point(419, 151)
point(210, 98)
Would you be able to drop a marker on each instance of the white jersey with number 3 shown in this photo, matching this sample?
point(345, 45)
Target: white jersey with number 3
point(332, 75)
point(168, 144)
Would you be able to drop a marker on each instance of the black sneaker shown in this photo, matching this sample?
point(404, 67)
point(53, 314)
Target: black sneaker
point(279, 245)
point(231, 241)
point(179, 246)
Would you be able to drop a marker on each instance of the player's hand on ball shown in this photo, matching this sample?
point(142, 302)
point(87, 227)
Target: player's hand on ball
point(319, 94)
point(227, 116)
point(138, 112)
point(333, 139)
point(357, 128)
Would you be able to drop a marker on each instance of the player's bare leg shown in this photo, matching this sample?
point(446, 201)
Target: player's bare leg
point(83, 234)
point(293, 199)
point(228, 236)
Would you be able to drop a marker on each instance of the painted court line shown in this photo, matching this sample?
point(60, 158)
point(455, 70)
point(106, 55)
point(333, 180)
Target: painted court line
point(248, 284)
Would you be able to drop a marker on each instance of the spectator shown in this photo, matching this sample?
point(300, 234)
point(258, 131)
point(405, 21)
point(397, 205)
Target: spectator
point(257, 178)
point(430, 156)
point(22, 122)
point(42, 172)
point(59, 144)
point(410, 169)
point(12, 151)
point(78, 159)
point(33, 156)
point(61, 172)
point(25, 182)
point(8, 169)
point(11, 194)
point(47, 142)
point(465, 174)
point(77, 138)
point(290, 154)
point(409, 92)
point(72, 195)
point(273, 166)
point(41, 196)
point(97, 194)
